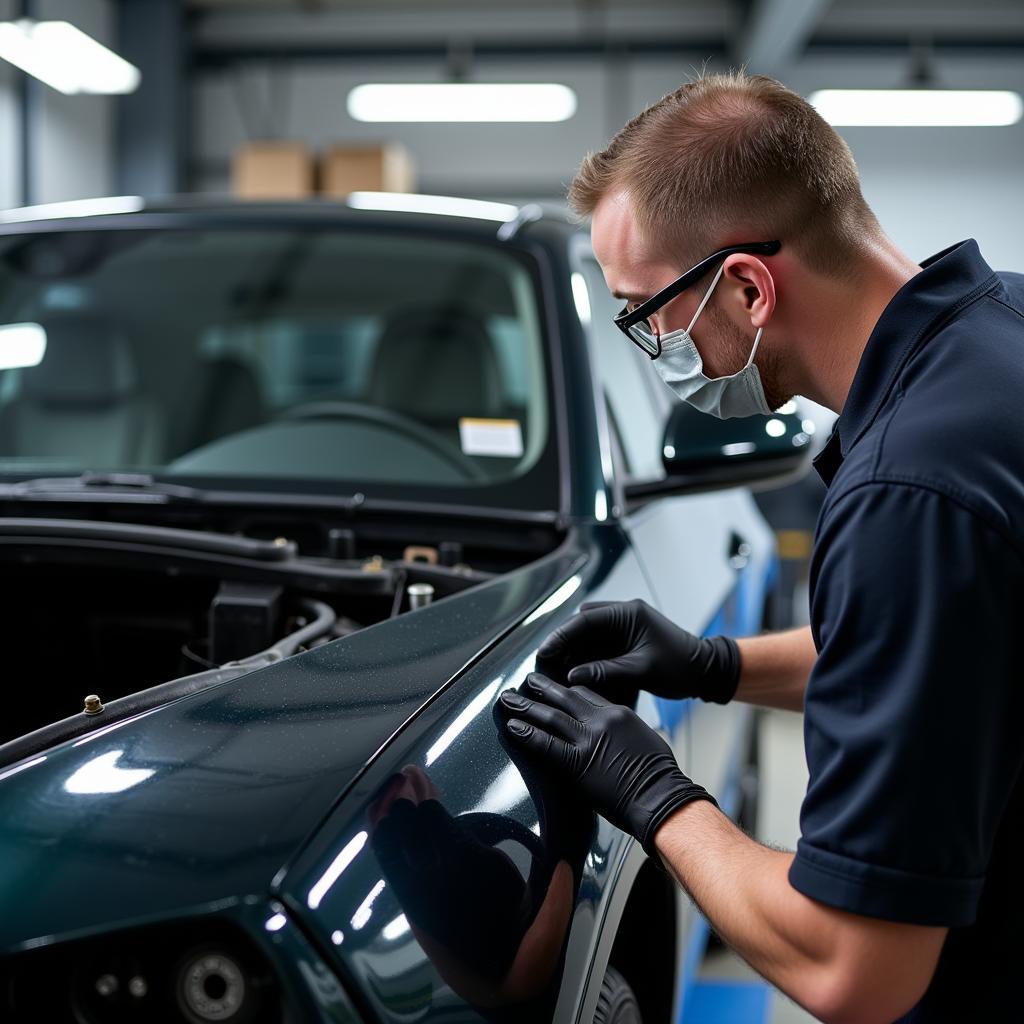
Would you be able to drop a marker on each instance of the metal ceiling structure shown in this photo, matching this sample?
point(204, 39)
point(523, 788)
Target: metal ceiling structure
point(765, 35)
point(280, 69)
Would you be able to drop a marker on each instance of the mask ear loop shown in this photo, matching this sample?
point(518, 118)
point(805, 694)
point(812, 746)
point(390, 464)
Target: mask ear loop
point(704, 301)
point(757, 341)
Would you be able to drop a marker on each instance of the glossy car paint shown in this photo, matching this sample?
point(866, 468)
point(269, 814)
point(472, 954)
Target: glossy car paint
point(339, 885)
point(269, 788)
point(207, 797)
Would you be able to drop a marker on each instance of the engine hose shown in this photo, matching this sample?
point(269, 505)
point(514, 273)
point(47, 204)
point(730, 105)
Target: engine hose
point(324, 617)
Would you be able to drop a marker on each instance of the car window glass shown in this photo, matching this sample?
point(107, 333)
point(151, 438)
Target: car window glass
point(620, 461)
point(628, 380)
point(285, 353)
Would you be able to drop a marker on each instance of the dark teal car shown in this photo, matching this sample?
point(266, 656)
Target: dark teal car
point(288, 496)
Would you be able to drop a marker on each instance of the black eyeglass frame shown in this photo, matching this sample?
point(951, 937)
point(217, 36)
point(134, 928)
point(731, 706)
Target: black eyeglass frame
point(629, 318)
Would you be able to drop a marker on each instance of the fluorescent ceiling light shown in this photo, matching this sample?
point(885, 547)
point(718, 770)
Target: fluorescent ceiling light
point(462, 101)
point(65, 58)
point(919, 108)
point(449, 206)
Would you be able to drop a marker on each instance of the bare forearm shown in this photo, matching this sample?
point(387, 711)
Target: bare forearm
point(819, 956)
point(775, 667)
point(741, 887)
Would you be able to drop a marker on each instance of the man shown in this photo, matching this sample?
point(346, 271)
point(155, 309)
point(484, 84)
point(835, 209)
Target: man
point(904, 898)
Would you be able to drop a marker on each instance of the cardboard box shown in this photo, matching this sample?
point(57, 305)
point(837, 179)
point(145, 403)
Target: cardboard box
point(382, 168)
point(273, 170)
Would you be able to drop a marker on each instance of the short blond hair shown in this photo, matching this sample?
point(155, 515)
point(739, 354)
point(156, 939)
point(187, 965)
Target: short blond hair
point(732, 155)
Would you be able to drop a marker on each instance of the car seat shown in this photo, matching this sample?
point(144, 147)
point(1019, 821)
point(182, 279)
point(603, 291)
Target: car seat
point(81, 403)
point(229, 399)
point(436, 365)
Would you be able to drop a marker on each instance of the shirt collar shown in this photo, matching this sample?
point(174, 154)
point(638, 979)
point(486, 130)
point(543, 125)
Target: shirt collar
point(948, 279)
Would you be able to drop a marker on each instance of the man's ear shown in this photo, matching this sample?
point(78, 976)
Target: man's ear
point(751, 287)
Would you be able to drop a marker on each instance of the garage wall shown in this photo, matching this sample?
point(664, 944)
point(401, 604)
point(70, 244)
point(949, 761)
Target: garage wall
point(73, 154)
point(308, 102)
point(933, 187)
point(72, 148)
point(8, 125)
point(929, 187)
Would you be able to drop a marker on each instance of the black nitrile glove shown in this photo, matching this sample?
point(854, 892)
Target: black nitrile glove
point(616, 647)
point(625, 769)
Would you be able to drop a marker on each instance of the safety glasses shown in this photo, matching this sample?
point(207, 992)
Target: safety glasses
point(635, 323)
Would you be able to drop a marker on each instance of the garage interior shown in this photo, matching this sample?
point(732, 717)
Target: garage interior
point(259, 100)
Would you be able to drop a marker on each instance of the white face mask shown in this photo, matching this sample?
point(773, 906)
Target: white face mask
point(682, 369)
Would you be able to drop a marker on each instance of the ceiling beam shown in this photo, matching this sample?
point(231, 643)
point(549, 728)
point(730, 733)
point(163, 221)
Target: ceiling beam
point(224, 27)
point(775, 33)
point(212, 56)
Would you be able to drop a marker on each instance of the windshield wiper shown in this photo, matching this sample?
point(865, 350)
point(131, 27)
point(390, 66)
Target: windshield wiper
point(132, 487)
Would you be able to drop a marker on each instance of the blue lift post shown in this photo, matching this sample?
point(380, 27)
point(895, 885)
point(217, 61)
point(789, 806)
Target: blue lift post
point(713, 1001)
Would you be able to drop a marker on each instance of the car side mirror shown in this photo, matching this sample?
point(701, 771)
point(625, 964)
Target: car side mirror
point(701, 452)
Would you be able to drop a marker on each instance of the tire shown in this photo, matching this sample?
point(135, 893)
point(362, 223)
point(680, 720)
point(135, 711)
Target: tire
point(616, 1004)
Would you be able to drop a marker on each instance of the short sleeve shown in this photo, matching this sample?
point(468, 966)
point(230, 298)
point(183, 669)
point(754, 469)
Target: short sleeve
point(913, 714)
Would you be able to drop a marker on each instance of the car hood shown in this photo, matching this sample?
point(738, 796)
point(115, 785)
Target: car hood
point(208, 797)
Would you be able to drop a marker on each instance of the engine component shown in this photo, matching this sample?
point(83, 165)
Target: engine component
point(211, 987)
point(93, 705)
point(341, 543)
point(244, 618)
point(420, 553)
point(420, 595)
point(323, 618)
point(450, 552)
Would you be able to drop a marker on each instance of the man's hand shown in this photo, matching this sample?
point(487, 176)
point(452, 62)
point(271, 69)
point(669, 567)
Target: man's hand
point(618, 647)
point(625, 769)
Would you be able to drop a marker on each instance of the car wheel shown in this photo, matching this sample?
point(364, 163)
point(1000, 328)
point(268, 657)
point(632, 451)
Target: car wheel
point(616, 1004)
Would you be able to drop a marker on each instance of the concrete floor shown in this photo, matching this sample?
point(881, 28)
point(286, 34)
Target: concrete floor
point(783, 783)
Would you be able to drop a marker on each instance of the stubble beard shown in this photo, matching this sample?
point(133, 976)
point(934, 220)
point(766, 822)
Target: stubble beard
point(733, 351)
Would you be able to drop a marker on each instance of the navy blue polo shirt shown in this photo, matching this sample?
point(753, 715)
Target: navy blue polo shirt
point(914, 712)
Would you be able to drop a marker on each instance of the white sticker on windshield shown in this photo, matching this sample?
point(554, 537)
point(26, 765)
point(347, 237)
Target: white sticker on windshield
point(503, 438)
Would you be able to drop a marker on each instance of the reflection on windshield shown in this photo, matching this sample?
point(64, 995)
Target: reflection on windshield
point(286, 354)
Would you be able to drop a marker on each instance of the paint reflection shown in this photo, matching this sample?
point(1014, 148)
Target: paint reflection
point(488, 900)
point(103, 774)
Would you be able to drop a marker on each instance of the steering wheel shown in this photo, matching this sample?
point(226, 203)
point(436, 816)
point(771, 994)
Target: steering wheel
point(404, 426)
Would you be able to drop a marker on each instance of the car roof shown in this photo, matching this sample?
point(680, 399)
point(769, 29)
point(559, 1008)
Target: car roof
point(486, 217)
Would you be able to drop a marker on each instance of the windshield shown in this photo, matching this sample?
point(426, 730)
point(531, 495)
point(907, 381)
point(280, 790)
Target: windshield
point(297, 359)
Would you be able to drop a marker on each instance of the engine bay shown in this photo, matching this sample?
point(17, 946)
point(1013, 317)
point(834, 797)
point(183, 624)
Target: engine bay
point(104, 619)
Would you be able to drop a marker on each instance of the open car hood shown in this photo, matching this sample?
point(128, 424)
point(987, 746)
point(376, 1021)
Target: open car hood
point(207, 798)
